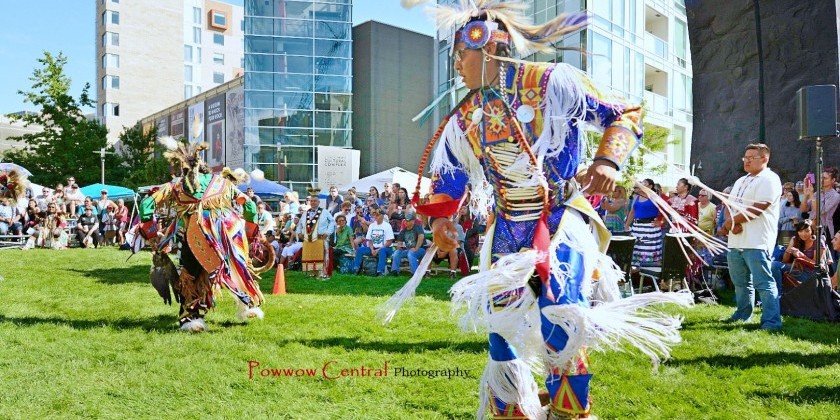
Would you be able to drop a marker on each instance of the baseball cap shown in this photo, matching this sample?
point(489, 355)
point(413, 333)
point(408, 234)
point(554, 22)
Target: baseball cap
point(410, 215)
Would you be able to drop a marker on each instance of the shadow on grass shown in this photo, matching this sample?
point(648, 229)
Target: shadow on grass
point(795, 328)
point(120, 275)
point(436, 287)
point(806, 395)
point(159, 323)
point(354, 343)
point(810, 361)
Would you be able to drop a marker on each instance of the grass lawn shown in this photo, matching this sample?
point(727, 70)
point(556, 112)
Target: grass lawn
point(83, 334)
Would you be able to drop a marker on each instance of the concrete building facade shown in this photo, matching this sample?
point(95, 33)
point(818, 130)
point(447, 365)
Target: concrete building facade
point(392, 82)
point(152, 54)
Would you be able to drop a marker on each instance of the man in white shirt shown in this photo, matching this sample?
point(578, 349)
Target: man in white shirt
point(380, 236)
point(264, 219)
point(751, 238)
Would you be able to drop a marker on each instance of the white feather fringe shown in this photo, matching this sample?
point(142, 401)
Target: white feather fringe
point(565, 101)
point(168, 142)
point(389, 309)
point(609, 325)
point(512, 382)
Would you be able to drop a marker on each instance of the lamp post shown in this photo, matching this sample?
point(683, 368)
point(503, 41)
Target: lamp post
point(102, 154)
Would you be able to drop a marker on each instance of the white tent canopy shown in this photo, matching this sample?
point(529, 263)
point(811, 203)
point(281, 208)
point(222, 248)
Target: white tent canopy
point(406, 179)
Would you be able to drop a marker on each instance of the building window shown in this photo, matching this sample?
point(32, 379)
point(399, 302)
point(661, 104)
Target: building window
point(187, 91)
point(198, 55)
point(115, 17)
point(218, 77)
point(218, 58)
point(188, 73)
point(219, 19)
point(111, 61)
point(197, 15)
point(188, 54)
point(218, 39)
point(197, 35)
point(110, 109)
point(110, 82)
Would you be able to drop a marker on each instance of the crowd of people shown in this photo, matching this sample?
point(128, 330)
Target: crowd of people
point(383, 227)
point(52, 217)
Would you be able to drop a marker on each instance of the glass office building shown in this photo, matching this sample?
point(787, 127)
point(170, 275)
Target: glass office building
point(298, 66)
point(638, 49)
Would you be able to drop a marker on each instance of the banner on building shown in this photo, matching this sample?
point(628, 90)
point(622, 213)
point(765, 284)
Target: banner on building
point(162, 126)
point(195, 123)
point(337, 166)
point(214, 114)
point(235, 128)
point(176, 127)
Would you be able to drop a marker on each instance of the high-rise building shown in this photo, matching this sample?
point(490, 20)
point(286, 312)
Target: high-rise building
point(392, 82)
point(636, 48)
point(298, 85)
point(152, 54)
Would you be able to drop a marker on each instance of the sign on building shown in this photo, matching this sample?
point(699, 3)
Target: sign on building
point(337, 166)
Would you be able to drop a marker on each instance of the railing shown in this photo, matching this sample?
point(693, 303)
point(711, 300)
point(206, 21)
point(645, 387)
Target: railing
point(657, 103)
point(656, 45)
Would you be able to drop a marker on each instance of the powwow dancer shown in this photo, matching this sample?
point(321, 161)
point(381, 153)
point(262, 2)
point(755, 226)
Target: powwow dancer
point(516, 137)
point(212, 239)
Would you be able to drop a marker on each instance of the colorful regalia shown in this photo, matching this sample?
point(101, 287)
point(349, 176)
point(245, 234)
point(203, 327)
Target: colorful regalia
point(314, 228)
point(211, 237)
point(545, 291)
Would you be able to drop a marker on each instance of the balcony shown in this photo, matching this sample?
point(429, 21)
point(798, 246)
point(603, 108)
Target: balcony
point(655, 45)
point(657, 103)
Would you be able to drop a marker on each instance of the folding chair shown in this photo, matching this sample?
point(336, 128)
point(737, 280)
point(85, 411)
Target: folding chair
point(674, 262)
point(621, 251)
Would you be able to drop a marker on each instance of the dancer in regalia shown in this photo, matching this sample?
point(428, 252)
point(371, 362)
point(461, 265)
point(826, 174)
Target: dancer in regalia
point(545, 291)
point(211, 238)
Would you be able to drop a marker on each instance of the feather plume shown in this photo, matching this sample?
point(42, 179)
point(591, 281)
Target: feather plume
point(168, 142)
point(257, 175)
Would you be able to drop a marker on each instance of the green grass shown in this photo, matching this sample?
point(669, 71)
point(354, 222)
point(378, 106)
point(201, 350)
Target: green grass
point(82, 334)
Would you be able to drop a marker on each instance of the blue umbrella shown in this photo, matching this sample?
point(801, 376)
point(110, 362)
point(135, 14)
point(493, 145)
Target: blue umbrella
point(114, 192)
point(265, 188)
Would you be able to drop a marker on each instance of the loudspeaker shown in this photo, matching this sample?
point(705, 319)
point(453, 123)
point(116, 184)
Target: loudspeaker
point(816, 107)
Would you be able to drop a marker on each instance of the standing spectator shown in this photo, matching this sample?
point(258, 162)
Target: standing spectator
point(616, 207)
point(642, 223)
point(684, 203)
point(250, 193)
point(706, 212)
point(122, 221)
point(334, 201)
point(829, 200)
point(109, 225)
point(786, 188)
point(379, 237)
point(103, 203)
point(751, 241)
point(87, 229)
point(835, 245)
point(410, 243)
point(789, 213)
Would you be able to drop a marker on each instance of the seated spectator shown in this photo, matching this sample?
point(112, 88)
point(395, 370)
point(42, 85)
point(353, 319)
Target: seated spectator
point(400, 200)
point(32, 217)
point(44, 199)
point(285, 229)
point(87, 228)
point(346, 210)
point(378, 240)
point(342, 239)
point(88, 202)
point(410, 243)
point(50, 231)
point(293, 202)
point(799, 257)
point(396, 219)
point(59, 199)
point(373, 193)
point(353, 199)
point(9, 218)
point(264, 218)
point(359, 224)
point(102, 204)
point(73, 196)
point(289, 252)
point(835, 245)
point(452, 255)
point(789, 212)
point(272, 240)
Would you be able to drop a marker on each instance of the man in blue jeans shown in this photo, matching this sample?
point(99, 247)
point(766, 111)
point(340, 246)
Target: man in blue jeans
point(410, 243)
point(752, 236)
point(380, 236)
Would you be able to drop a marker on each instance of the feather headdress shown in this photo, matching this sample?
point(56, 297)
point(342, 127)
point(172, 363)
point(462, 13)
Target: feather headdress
point(186, 156)
point(526, 37)
point(13, 184)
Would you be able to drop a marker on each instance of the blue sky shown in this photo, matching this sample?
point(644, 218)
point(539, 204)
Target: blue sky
point(28, 28)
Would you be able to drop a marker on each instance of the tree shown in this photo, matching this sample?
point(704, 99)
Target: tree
point(143, 161)
point(68, 141)
point(655, 140)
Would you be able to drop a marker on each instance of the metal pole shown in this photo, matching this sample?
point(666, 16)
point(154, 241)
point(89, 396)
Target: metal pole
point(817, 205)
point(102, 160)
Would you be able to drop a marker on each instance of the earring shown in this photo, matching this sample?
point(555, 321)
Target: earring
point(487, 58)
